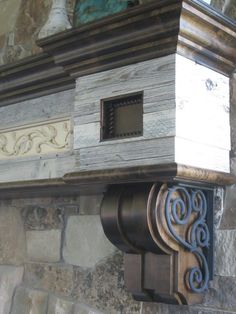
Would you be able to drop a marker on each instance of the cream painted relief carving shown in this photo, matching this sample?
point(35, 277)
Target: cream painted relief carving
point(37, 139)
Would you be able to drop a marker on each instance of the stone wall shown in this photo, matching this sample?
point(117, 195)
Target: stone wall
point(55, 259)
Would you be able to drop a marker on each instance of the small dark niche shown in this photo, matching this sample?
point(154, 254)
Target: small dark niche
point(122, 116)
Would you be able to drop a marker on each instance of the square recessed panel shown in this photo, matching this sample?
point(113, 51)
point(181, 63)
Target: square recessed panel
point(122, 117)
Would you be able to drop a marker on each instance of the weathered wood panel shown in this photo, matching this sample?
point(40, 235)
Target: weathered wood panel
point(202, 104)
point(155, 125)
point(35, 169)
point(156, 78)
point(155, 151)
point(38, 109)
point(201, 155)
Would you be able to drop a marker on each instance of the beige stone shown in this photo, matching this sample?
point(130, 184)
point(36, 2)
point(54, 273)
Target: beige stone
point(55, 278)
point(44, 246)
point(38, 139)
point(12, 235)
point(9, 11)
point(10, 278)
point(84, 309)
point(225, 260)
point(29, 302)
point(85, 242)
point(59, 306)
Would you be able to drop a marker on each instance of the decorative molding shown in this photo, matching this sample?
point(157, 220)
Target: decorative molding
point(40, 139)
point(144, 32)
point(32, 77)
point(169, 171)
point(94, 181)
point(166, 233)
point(185, 211)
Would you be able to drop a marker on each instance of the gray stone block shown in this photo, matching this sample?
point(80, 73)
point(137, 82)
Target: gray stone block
point(84, 309)
point(55, 278)
point(44, 246)
point(102, 288)
point(42, 217)
point(222, 293)
point(59, 306)
point(29, 302)
point(172, 309)
point(90, 204)
point(229, 217)
point(225, 257)
point(10, 278)
point(85, 242)
point(12, 235)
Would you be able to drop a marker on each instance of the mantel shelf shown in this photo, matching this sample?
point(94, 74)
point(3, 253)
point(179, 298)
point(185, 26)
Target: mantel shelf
point(85, 182)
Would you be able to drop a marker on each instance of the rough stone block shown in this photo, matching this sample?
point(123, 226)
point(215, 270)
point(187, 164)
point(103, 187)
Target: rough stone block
point(172, 309)
point(59, 306)
point(42, 217)
point(12, 235)
point(90, 204)
point(44, 246)
point(102, 287)
point(84, 309)
point(222, 293)
point(225, 244)
point(85, 242)
point(229, 217)
point(10, 278)
point(29, 302)
point(55, 278)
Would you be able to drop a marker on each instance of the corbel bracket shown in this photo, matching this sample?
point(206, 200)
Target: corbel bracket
point(165, 230)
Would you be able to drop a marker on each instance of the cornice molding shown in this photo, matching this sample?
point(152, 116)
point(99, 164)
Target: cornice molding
point(159, 28)
point(84, 182)
point(32, 77)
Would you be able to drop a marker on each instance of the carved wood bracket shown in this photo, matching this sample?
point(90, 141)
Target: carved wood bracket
point(165, 230)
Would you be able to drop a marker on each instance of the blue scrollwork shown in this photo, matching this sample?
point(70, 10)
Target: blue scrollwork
point(189, 207)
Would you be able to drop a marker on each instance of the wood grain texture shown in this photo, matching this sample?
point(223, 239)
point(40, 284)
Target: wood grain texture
point(153, 151)
point(145, 32)
point(202, 104)
point(201, 155)
point(36, 110)
point(150, 173)
point(30, 78)
point(36, 169)
point(92, 182)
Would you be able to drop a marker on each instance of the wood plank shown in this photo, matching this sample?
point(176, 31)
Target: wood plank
point(155, 125)
point(36, 169)
point(201, 155)
point(153, 151)
point(38, 109)
point(202, 104)
point(154, 77)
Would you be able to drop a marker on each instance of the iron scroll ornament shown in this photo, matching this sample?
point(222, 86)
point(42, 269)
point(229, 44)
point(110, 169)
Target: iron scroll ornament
point(189, 206)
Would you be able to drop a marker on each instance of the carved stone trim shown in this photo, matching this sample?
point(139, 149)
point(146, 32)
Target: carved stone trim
point(39, 139)
point(166, 234)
